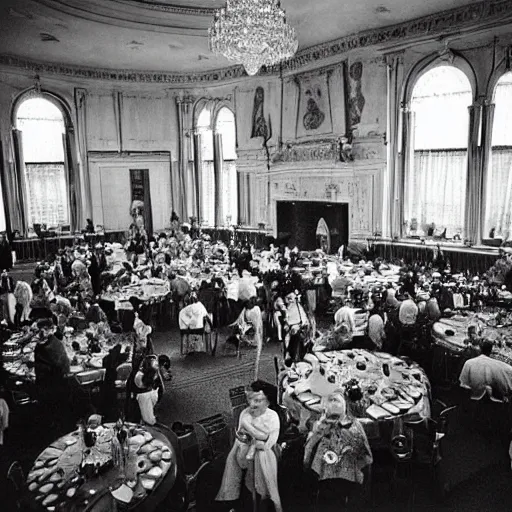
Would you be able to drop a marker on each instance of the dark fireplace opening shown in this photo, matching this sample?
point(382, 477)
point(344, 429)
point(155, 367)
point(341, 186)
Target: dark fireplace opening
point(310, 225)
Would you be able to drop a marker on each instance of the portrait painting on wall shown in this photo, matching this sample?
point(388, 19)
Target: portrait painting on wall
point(259, 124)
point(314, 114)
point(356, 99)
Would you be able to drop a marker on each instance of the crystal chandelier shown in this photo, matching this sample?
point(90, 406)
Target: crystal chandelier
point(253, 33)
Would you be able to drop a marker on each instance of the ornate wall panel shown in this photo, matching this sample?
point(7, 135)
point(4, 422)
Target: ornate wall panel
point(148, 122)
point(359, 187)
point(102, 121)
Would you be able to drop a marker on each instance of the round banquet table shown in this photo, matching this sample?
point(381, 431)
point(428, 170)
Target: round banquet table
point(18, 355)
point(147, 290)
point(451, 333)
point(54, 483)
point(392, 388)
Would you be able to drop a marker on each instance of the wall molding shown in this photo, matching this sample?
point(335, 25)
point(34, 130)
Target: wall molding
point(497, 12)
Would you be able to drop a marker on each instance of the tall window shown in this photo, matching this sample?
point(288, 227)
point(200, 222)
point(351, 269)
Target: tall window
point(204, 128)
point(435, 181)
point(498, 211)
point(42, 128)
point(226, 127)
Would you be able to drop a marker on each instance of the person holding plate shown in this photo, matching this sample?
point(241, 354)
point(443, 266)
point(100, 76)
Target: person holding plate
point(337, 451)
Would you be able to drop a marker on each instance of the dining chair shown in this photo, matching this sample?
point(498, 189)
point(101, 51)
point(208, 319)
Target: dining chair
point(209, 335)
point(123, 372)
point(16, 482)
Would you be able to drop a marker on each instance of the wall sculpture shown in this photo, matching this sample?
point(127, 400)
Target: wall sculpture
point(356, 100)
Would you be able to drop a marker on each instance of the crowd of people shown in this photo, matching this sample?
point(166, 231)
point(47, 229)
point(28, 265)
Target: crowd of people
point(275, 294)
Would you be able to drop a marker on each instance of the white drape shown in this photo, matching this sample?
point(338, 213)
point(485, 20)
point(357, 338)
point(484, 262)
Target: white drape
point(208, 192)
point(230, 192)
point(436, 190)
point(499, 194)
point(47, 193)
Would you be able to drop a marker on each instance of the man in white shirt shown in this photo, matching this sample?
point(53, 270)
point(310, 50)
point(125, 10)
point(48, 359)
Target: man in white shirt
point(484, 375)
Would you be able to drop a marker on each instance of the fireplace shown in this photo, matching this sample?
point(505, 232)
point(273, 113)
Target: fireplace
point(303, 223)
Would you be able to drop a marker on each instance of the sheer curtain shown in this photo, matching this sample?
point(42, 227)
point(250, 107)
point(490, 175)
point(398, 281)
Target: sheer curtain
point(208, 192)
point(230, 191)
point(498, 207)
point(226, 128)
point(47, 193)
point(436, 171)
point(499, 194)
point(436, 190)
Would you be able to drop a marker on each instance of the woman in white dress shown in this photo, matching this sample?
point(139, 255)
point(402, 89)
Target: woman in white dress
point(254, 451)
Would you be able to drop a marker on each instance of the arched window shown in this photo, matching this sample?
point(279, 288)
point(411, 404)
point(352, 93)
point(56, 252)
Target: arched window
point(498, 210)
point(40, 131)
point(225, 126)
point(207, 180)
point(435, 178)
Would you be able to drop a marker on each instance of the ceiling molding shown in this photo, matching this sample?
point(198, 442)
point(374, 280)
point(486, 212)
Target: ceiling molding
point(175, 9)
point(135, 14)
point(473, 15)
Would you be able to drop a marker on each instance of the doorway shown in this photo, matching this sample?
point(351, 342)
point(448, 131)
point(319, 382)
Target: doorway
point(298, 224)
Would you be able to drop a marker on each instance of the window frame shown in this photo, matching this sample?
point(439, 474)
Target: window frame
point(22, 199)
point(405, 149)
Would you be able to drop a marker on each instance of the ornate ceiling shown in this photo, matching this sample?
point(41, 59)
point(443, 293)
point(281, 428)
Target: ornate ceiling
point(171, 35)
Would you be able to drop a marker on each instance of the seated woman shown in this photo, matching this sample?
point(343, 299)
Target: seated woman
point(148, 388)
point(23, 295)
point(253, 451)
point(193, 319)
point(81, 286)
point(337, 451)
point(249, 329)
point(41, 295)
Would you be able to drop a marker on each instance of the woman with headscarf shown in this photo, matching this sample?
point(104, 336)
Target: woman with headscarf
point(337, 451)
point(254, 451)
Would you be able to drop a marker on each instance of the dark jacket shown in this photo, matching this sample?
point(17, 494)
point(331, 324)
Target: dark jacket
point(5, 256)
point(51, 362)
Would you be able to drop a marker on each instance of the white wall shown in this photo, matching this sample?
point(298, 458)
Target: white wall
point(111, 192)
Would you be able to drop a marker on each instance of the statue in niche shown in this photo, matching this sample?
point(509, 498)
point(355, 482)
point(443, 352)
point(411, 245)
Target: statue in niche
point(356, 99)
point(314, 117)
point(259, 125)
